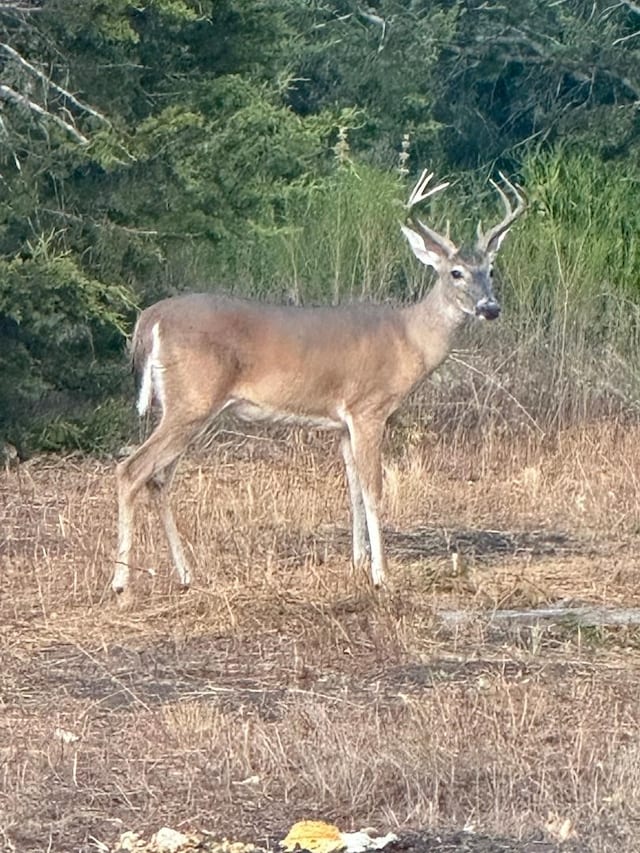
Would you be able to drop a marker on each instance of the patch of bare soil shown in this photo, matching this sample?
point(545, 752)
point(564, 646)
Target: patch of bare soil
point(465, 842)
point(281, 687)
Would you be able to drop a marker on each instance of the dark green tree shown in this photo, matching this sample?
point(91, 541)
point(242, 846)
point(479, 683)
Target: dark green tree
point(130, 131)
point(474, 81)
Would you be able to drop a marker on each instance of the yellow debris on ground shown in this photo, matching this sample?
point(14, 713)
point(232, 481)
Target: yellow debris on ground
point(320, 837)
point(314, 835)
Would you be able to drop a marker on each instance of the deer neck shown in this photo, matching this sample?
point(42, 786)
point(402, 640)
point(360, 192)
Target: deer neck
point(431, 327)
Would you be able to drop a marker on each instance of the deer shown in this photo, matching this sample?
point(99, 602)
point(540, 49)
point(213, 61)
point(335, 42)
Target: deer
point(344, 367)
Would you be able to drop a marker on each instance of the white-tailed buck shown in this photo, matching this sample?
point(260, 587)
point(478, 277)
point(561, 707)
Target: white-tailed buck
point(345, 368)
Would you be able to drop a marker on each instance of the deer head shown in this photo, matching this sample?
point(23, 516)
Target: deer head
point(464, 277)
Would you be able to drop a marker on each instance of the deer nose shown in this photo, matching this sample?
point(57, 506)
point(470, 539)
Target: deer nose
point(488, 309)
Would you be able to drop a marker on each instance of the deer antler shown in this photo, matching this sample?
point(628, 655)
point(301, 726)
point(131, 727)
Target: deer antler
point(419, 194)
point(491, 240)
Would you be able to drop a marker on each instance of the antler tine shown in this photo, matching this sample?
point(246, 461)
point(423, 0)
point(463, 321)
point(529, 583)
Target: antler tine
point(419, 194)
point(511, 213)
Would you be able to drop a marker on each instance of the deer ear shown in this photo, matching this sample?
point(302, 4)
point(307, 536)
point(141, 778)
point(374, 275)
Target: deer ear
point(429, 254)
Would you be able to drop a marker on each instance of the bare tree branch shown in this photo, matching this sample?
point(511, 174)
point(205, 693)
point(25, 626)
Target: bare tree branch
point(20, 5)
point(22, 62)
point(513, 38)
point(625, 38)
point(633, 6)
point(9, 94)
point(111, 226)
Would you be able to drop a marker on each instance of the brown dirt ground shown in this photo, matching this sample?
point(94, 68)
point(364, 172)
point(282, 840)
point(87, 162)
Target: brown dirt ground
point(281, 687)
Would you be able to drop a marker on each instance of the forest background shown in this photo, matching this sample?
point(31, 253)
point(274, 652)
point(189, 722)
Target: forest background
point(265, 148)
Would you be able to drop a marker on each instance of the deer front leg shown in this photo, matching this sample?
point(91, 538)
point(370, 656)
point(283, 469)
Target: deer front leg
point(366, 441)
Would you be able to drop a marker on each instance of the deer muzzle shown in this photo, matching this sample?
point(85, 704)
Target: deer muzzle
point(487, 309)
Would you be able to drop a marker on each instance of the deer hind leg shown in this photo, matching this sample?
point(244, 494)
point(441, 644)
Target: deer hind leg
point(366, 442)
point(160, 485)
point(358, 518)
point(156, 458)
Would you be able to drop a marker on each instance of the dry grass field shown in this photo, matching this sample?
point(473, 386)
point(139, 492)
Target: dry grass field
point(281, 686)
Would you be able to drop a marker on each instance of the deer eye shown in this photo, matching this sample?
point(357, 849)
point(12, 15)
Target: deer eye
point(456, 273)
